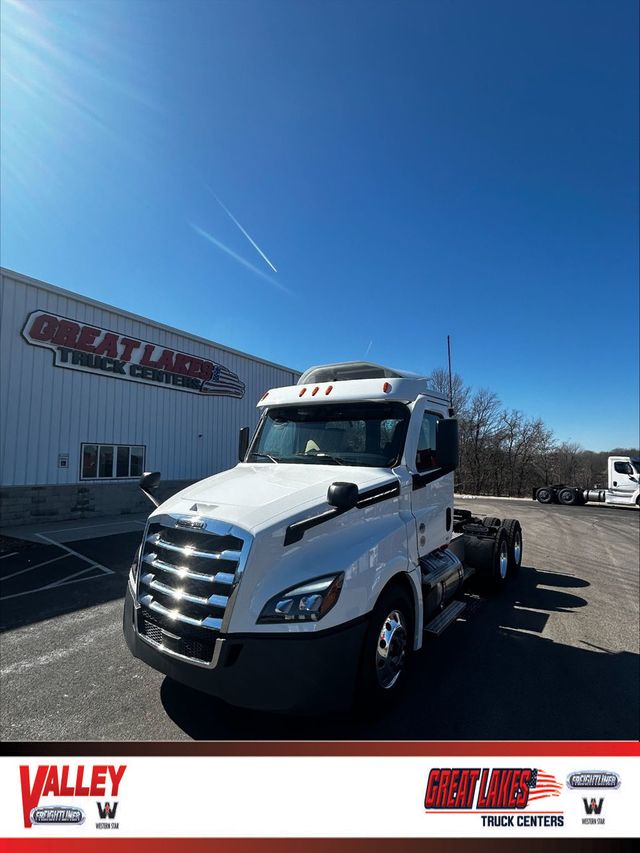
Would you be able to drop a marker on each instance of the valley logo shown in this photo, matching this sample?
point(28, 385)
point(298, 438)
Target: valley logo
point(500, 790)
point(90, 349)
point(65, 783)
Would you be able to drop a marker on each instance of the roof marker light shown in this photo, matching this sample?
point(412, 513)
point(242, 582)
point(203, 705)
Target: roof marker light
point(265, 395)
point(329, 389)
point(315, 391)
point(386, 387)
point(302, 391)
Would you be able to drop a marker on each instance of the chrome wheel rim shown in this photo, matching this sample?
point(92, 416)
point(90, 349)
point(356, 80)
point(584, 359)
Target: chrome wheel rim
point(391, 649)
point(503, 560)
point(517, 547)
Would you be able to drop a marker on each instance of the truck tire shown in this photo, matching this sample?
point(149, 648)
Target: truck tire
point(500, 569)
point(512, 528)
point(567, 497)
point(544, 495)
point(387, 646)
point(491, 521)
point(489, 555)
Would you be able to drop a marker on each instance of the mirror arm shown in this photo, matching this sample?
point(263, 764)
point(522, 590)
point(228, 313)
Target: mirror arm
point(153, 500)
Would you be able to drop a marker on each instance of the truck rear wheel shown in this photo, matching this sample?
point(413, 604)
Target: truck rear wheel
point(500, 573)
point(567, 497)
point(491, 521)
point(387, 645)
point(513, 530)
point(544, 495)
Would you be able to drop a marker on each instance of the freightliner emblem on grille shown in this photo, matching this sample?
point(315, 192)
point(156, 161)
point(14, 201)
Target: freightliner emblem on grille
point(193, 523)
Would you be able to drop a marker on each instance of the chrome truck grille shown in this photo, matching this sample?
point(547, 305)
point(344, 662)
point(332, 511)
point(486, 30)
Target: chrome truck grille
point(189, 570)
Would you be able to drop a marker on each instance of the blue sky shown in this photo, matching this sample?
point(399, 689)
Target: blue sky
point(411, 169)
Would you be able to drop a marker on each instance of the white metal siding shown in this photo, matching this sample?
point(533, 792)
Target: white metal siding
point(47, 410)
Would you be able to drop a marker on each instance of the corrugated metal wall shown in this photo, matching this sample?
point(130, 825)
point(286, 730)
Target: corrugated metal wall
point(46, 411)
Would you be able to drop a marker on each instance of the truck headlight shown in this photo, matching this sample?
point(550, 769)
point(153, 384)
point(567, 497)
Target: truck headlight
point(135, 567)
point(306, 603)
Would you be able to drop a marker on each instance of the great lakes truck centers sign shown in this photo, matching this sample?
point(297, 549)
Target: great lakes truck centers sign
point(79, 346)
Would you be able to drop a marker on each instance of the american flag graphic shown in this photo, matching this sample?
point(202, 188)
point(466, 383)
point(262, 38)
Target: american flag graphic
point(224, 382)
point(543, 785)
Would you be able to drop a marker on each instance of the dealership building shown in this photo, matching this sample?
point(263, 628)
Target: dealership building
point(92, 396)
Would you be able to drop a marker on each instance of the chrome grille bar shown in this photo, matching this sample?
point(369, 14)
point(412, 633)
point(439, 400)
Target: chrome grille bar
point(213, 600)
point(186, 551)
point(183, 572)
point(208, 622)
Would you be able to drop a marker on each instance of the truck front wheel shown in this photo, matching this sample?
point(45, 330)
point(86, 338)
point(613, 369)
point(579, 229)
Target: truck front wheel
point(387, 645)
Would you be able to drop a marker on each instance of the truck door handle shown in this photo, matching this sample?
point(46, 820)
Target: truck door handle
point(615, 482)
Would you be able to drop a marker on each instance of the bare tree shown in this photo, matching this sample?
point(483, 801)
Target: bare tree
point(479, 430)
point(439, 380)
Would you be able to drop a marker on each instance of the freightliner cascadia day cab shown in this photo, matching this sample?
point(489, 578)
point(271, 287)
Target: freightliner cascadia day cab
point(623, 487)
point(304, 577)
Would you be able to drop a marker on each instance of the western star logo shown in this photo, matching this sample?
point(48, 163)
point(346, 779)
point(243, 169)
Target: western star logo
point(78, 346)
point(593, 806)
point(107, 811)
point(53, 781)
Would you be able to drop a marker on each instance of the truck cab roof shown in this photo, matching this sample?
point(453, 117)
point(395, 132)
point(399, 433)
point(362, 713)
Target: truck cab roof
point(353, 381)
point(345, 370)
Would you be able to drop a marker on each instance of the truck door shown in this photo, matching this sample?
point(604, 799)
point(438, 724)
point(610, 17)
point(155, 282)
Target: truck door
point(621, 484)
point(432, 492)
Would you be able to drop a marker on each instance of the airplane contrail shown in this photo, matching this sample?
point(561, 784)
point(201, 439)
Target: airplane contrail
point(368, 348)
point(248, 236)
point(239, 259)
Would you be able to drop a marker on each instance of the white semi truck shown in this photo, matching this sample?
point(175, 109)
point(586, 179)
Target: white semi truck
point(306, 575)
point(623, 487)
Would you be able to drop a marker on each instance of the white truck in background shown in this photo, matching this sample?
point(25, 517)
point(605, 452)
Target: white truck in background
point(623, 487)
point(307, 574)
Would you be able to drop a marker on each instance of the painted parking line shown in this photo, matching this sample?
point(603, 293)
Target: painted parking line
point(75, 553)
point(66, 580)
point(12, 554)
point(69, 579)
point(37, 566)
point(101, 524)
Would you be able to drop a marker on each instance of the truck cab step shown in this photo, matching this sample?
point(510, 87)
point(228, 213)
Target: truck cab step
point(445, 618)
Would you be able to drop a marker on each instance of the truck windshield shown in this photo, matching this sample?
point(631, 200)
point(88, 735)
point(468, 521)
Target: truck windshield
point(365, 434)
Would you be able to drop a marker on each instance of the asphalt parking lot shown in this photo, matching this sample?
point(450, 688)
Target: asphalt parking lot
point(553, 656)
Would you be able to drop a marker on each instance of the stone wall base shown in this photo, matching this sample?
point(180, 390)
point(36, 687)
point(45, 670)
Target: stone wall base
point(32, 504)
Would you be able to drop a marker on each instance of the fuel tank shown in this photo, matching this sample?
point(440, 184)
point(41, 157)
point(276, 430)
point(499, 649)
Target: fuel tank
point(442, 578)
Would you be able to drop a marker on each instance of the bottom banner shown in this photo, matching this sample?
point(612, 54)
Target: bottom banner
point(330, 796)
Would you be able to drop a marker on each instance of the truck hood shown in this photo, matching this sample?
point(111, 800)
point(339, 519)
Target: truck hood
point(252, 496)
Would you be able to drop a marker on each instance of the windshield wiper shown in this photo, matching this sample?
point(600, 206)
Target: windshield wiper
point(266, 456)
point(336, 459)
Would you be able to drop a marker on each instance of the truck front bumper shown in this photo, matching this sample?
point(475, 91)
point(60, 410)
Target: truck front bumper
point(291, 672)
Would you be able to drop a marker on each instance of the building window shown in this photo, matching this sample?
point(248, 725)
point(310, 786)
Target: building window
point(111, 461)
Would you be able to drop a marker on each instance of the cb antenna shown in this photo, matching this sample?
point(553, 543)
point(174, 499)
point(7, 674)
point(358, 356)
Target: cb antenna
point(450, 379)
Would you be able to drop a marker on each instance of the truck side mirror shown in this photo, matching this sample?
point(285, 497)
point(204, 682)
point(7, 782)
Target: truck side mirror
point(447, 443)
point(243, 443)
point(343, 496)
point(149, 482)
